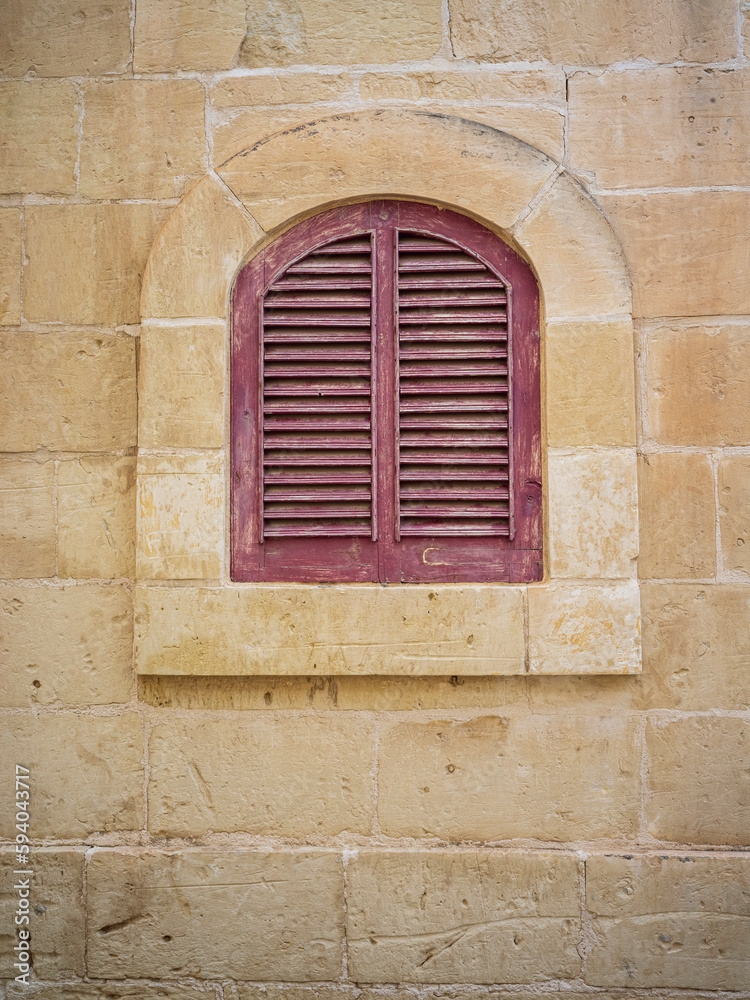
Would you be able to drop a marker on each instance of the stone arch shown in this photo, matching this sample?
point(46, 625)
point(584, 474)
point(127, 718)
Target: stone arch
point(529, 199)
point(499, 179)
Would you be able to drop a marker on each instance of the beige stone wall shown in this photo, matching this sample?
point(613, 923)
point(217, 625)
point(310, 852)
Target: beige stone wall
point(298, 837)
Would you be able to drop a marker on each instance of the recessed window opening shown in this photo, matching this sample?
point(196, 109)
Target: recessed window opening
point(386, 403)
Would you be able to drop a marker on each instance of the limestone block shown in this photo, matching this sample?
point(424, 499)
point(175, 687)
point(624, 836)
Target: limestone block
point(657, 127)
point(311, 33)
point(677, 516)
point(366, 629)
point(142, 138)
point(67, 391)
point(39, 141)
point(687, 250)
point(250, 991)
point(292, 777)
point(446, 692)
point(196, 255)
point(593, 32)
point(86, 772)
point(187, 34)
point(352, 155)
point(675, 922)
point(696, 646)
point(696, 384)
point(242, 914)
point(96, 517)
point(66, 38)
point(27, 519)
point(590, 383)
point(277, 88)
point(593, 512)
point(584, 629)
point(10, 266)
point(345, 693)
point(698, 787)
point(180, 517)
point(181, 390)
point(81, 655)
point(734, 511)
point(85, 261)
point(576, 255)
point(534, 114)
point(121, 991)
point(57, 912)
point(497, 778)
point(540, 127)
point(469, 917)
point(538, 86)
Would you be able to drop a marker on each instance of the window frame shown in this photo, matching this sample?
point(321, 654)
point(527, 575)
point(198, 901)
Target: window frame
point(515, 560)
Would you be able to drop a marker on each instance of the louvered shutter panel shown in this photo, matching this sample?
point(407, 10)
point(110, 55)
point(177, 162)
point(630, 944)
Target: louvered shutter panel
point(317, 392)
point(454, 401)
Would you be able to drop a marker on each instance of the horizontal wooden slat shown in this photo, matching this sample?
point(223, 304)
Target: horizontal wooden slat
point(314, 318)
point(435, 263)
point(414, 369)
point(317, 387)
point(450, 404)
point(453, 422)
point(323, 404)
point(453, 315)
point(287, 477)
point(338, 352)
point(440, 282)
point(278, 529)
point(274, 494)
point(299, 441)
point(451, 299)
point(435, 385)
point(453, 492)
point(362, 245)
point(285, 459)
point(281, 370)
point(426, 244)
point(337, 267)
point(449, 352)
point(451, 473)
point(327, 284)
point(304, 423)
point(438, 527)
point(411, 439)
point(315, 511)
point(317, 335)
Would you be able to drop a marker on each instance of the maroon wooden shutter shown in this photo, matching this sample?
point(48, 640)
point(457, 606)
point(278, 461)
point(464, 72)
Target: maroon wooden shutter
point(385, 403)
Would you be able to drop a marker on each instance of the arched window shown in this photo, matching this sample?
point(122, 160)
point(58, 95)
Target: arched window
point(386, 403)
